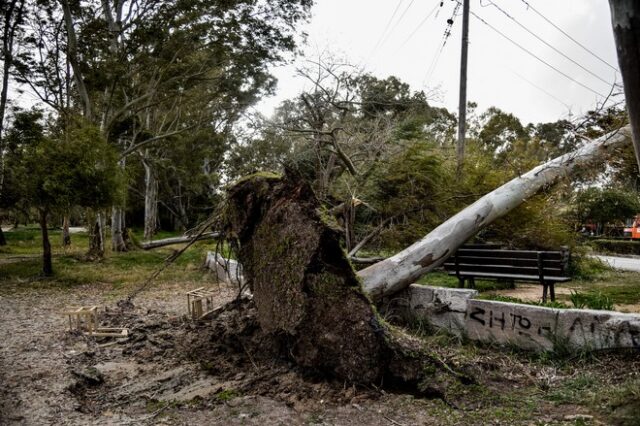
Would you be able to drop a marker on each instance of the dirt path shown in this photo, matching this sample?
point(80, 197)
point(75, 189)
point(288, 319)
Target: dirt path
point(36, 350)
point(171, 371)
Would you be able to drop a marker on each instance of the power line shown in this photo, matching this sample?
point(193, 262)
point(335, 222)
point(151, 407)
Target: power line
point(420, 24)
point(537, 57)
point(398, 21)
point(386, 28)
point(504, 12)
point(569, 37)
point(551, 95)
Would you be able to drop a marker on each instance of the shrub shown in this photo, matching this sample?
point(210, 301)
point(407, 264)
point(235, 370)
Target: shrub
point(583, 267)
point(597, 301)
point(616, 246)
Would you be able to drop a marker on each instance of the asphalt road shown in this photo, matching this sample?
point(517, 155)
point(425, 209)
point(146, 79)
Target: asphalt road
point(622, 263)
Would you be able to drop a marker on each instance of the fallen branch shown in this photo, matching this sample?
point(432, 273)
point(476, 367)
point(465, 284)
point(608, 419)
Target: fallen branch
point(178, 240)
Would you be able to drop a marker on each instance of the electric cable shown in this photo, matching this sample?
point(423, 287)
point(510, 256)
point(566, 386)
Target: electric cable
point(420, 25)
point(536, 56)
point(569, 37)
point(504, 12)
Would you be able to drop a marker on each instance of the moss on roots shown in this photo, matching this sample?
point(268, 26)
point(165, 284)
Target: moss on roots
point(307, 294)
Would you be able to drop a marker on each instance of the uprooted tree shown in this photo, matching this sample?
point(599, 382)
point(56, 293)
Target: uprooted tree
point(308, 296)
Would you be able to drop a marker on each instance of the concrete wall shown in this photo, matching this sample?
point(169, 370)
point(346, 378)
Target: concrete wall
point(225, 270)
point(525, 326)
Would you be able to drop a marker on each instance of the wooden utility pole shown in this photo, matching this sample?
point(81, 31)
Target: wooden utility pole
point(625, 18)
point(462, 106)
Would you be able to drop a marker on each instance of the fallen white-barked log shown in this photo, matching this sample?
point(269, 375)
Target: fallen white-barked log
point(404, 268)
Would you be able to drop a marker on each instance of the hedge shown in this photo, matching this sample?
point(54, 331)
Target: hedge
point(616, 246)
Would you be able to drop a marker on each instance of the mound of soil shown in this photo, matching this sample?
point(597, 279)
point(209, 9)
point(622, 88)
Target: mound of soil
point(168, 360)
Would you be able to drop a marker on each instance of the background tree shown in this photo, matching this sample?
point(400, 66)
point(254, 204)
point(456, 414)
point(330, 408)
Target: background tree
point(10, 27)
point(55, 168)
point(605, 205)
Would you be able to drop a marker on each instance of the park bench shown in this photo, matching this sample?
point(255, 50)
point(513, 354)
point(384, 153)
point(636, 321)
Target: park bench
point(544, 267)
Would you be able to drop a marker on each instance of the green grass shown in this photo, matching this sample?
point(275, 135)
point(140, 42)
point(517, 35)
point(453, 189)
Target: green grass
point(578, 389)
point(21, 261)
point(227, 394)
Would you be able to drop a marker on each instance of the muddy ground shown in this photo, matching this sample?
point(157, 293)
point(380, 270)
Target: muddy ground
point(171, 370)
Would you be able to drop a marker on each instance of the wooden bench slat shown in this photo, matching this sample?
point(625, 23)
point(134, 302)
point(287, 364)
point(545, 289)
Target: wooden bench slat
point(519, 254)
point(505, 269)
point(502, 261)
point(535, 278)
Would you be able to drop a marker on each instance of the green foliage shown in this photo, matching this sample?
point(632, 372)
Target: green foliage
point(605, 205)
point(72, 167)
point(596, 300)
point(585, 267)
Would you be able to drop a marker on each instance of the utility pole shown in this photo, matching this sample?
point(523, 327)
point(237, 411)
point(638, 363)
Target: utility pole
point(462, 105)
point(625, 18)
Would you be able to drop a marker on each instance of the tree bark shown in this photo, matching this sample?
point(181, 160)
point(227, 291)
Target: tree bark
point(625, 18)
point(11, 20)
point(47, 266)
point(96, 237)
point(397, 272)
point(118, 243)
point(150, 201)
point(72, 56)
point(66, 235)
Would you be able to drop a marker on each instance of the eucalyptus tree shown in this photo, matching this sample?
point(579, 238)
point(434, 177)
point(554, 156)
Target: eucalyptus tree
point(11, 21)
point(130, 61)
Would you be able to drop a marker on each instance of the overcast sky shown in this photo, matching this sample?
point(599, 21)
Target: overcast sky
point(500, 73)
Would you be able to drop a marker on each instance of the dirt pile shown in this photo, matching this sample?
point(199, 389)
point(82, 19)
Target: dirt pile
point(170, 360)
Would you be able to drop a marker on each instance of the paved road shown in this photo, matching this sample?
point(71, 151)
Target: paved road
point(623, 263)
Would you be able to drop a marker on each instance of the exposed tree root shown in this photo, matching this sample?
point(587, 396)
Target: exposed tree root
point(308, 297)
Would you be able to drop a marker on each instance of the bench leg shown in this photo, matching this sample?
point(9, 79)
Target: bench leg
point(461, 282)
point(472, 282)
point(544, 292)
point(552, 291)
point(512, 284)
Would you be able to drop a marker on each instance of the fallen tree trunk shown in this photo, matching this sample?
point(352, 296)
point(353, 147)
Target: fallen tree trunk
point(397, 272)
point(148, 245)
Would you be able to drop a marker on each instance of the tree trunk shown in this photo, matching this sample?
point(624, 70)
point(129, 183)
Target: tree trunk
point(397, 272)
point(72, 57)
point(118, 231)
point(66, 235)
point(625, 18)
point(3, 241)
point(96, 237)
point(11, 20)
point(308, 297)
point(150, 201)
point(47, 267)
